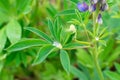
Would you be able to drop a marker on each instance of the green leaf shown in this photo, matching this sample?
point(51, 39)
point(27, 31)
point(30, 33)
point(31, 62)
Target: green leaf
point(112, 75)
point(117, 67)
point(1, 65)
point(84, 58)
point(23, 58)
point(50, 26)
point(2, 39)
point(115, 54)
point(57, 28)
point(104, 55)
point(13, 31)
point(66, 12)
point(65, 61)
point(27, 43)
point(43, 53)
point(23, 5)
point(73, 45)
point(39, 33)
point(78, 73)
point(17, 59)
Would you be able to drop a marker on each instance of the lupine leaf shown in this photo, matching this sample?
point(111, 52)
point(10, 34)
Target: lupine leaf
point(78, 73)
point(117, 67)
point(66, 12)
point(65, 61)
point(3, 39)
point(112, 75)
point(27, 43)
point(43, 53)
point(13, 31)
point(39, 33)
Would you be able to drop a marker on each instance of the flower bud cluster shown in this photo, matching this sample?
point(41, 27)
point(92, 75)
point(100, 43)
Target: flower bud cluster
point(100, 5)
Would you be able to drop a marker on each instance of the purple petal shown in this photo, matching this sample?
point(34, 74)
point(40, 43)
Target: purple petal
point(82, 7)
point(104, 7)
point(92, 7)
point(99, 19)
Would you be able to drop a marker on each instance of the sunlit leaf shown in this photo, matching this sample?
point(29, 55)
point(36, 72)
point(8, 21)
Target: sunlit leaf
point(13, 31)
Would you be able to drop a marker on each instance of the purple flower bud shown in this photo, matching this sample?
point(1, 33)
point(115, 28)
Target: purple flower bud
point(99, 19)
point(82, 7)
point(104, 7)
point(92, 7)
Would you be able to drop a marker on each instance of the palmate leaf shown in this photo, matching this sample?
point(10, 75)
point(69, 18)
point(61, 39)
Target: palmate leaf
point(27, 43)
point(39, 33)
point(65, 61)
point(43, 53)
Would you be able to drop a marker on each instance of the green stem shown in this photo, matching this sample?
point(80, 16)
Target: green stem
point(95, 48)
point(95, 58)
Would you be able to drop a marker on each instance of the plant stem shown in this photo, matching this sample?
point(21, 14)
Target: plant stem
point(95, 58)
point(95, 48)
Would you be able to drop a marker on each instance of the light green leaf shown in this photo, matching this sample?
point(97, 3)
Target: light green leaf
point(27, 43)
point(39, 33)
point(23, 6)
point(13, 31)
point(66, 12)
point(43, 53)
point(112, 75)
point(1, 66)
point(78, 73)
point(65, 61)
point(114, 55)
point(104, 55)
point(2, 39)
point(117, 67)
point(84, 58)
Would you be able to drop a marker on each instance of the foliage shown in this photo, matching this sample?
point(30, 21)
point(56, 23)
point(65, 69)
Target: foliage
point(53, 40)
